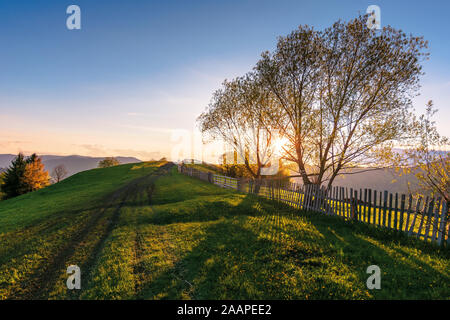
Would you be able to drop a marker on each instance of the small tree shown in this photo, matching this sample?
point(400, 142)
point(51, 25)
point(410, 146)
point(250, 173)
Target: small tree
point(59, 173)
point(35, 176)
point(13, 182)
point(24, 175)
point(427, 156)
point(108, 162)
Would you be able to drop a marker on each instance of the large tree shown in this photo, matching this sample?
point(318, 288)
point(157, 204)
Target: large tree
point(344, 94)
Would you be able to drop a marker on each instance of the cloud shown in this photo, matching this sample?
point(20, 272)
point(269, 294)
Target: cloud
point(140, 154)
point(101, 151)
point(95, 150)
point(135, 114)
point(146, 128)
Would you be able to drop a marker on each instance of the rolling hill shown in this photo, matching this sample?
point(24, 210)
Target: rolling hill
point(144, 231)
point(73, 163)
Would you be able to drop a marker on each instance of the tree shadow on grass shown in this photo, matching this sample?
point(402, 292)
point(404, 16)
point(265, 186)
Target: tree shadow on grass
point(404, 275)
point(202, 210)
point(262, 255)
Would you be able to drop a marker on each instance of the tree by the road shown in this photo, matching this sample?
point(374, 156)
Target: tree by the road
point(59, 173)
point(239, 115)
point(108, 162)
point(344, 94)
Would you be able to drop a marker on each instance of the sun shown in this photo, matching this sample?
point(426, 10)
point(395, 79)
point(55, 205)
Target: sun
point(279, 144)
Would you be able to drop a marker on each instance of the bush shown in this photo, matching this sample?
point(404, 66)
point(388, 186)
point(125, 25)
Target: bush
point(108, 162)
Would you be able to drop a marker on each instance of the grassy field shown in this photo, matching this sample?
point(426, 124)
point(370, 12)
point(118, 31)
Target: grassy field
point(204, 167)
point(145, 231)
point(379, 217)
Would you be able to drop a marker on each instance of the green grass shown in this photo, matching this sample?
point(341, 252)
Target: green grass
point(204, 167)
point(343, 209)
point(79, 191)
point(38, 230)
point(175, 237)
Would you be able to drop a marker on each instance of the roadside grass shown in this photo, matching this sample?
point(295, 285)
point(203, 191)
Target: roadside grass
point(39, 228)
point(175, 237)
point(198, 241)
point(377, 216)
point(81, 190)
point(204, 167)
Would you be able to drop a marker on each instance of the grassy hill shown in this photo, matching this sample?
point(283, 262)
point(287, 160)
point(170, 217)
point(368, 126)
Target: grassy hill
point(73, 163)
point(145, 231)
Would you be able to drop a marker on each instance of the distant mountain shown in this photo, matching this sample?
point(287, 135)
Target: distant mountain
point(5, 160)
point(73, 164)
point(379, 179)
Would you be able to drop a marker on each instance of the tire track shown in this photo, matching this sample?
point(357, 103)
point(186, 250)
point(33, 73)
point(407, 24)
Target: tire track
point(43, 280)
point(138, 269)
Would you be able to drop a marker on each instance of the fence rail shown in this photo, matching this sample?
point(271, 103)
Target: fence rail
point(424, 218)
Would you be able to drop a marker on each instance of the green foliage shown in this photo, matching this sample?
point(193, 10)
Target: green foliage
point(108, 162)
point(13, 184)
point(37, 226)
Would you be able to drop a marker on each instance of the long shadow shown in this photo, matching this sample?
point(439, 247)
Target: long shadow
point(42, 280)
point(232, 261)
point(363, 245)
point(46, 226)
point(201, 211)
point(327, 261)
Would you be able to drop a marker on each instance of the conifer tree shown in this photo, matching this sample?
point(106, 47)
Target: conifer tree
point(24, 175)
point(13, 181)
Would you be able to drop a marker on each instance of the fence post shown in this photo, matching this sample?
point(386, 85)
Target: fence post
point(411, 230)
point(353, 211)
point(429, 217)
point(402, 210)
point(423, 216)
point(385, 207)
point(441, 231)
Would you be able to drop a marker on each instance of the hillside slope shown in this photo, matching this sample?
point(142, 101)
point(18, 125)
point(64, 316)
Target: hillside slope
point(73, 163)
point(145, 231)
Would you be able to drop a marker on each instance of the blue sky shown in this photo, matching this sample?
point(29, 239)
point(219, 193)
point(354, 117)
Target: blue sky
point(137, 70)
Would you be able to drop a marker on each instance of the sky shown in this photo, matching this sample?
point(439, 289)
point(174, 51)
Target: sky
point(134, 78)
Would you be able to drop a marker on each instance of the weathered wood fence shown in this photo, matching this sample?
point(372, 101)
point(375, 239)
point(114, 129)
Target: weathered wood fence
point(424, 218)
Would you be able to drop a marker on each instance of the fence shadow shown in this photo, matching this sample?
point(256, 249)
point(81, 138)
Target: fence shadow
point(287, 255)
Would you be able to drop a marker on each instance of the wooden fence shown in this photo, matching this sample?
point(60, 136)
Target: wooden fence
point(424, 218)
